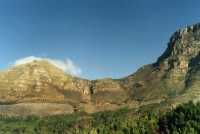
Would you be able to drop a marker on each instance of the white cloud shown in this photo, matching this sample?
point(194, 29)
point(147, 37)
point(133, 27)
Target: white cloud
point(67, 65)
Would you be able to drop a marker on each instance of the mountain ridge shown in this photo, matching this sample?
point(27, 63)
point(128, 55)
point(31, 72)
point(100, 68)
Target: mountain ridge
point(171, 80)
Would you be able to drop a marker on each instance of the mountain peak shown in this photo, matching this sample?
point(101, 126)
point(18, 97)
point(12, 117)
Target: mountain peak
point(182, 47)
point(66, 65)
point(37, 65)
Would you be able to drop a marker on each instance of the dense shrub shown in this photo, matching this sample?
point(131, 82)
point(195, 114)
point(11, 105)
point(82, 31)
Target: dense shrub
point(185, 119)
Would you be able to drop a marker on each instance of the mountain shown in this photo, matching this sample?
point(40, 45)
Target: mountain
point(40, 88)
point(174, 77)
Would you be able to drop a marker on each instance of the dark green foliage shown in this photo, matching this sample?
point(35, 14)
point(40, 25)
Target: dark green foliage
point(185, 119)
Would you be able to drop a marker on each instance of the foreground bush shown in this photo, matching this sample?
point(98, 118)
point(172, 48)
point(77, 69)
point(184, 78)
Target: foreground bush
point(185, 119)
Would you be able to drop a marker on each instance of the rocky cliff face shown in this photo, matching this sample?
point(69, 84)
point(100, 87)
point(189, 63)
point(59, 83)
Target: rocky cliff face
point(184, 46)
point(181, 63)
point(43, 89)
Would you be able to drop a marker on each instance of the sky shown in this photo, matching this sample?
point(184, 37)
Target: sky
point(102, 38)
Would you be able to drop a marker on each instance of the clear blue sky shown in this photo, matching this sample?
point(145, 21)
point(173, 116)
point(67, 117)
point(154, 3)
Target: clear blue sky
point(105, 38)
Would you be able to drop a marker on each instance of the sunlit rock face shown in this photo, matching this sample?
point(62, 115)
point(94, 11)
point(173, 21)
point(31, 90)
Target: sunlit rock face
point(183, 47)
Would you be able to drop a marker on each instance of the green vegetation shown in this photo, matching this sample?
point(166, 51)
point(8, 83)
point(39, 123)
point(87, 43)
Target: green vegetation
point(122, 121)
point(184, 119)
